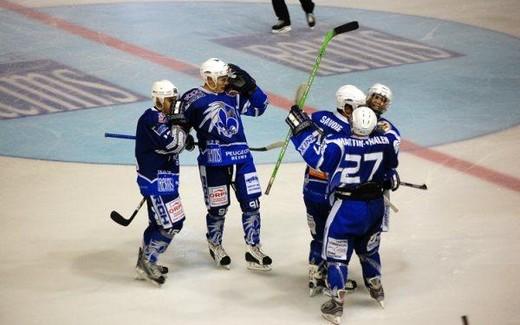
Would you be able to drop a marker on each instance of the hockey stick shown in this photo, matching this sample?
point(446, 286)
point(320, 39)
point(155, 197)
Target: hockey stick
point(353, 25)
point(268, 147)
point(392, 206)
point(417, 186)
point(114, 215)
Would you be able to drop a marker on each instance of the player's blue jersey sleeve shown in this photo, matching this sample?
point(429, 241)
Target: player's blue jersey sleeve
point(320, 154)
point(255, 105)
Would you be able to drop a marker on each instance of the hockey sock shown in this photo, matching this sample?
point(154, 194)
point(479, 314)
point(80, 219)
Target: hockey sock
point(251, 225)
point(215, 225)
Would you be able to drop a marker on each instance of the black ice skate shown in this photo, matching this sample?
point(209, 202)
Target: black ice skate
point(256, 259)
point(311, 20)
point(376, 290)
point(149, 271)
point(219, 255)
point(281, 27)
point(332, 310)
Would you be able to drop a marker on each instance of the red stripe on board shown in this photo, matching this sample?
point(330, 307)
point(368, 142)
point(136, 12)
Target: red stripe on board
point(103, 39)
point(472, 169)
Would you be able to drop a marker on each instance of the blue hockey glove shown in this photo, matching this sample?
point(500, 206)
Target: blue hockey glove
point(240, 80)
point(393, 181)
point(298, 120)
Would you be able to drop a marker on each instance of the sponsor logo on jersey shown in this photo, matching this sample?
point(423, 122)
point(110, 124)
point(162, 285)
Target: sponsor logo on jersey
point(160, 212)
point(166, 182)
point(252, 183)
point(218, 196)
point(175, 210)
point(304, 145)
point(337, 248)
point(42, 87)
point(192, 96)
point(237, 155)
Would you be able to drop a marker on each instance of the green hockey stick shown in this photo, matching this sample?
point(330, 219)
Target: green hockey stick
point(301, 98)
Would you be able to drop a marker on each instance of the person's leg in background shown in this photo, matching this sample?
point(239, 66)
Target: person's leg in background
point(284, 21)
point(308, 7)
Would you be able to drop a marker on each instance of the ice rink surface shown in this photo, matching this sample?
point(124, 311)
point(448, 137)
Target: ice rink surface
point(452, 250)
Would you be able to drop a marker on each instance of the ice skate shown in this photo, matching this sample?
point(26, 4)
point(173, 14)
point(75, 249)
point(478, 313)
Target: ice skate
point(317, 279)
point(219, 255)
point(281, 27)
point(163, 269)
point(376, 291)
point(256, 259)
point(332, 310)
point(149, 271)
point(311, 20)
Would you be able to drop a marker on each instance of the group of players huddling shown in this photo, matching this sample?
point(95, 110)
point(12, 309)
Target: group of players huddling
point(351, 156)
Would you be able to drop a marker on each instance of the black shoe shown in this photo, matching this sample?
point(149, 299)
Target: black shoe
point(311, 20)
point(281, 27)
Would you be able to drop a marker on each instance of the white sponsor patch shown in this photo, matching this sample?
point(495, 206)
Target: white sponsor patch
point(175, 210)
point(337, 248)
point(252, 183)
point(217, 196)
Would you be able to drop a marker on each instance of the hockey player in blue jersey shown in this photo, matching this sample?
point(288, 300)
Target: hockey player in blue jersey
point(214, 110)
point(357, 168)
point(348, 97)
point(158, 143)
point(379, 99)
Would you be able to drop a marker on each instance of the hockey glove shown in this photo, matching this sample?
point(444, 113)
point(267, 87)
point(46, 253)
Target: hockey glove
point(177, 116)
point(190, 143)
point(240, 80)
point(393, 181)
point(298, 120)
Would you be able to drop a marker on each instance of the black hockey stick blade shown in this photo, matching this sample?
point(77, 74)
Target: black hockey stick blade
point(348, 27)
point(417, 186)
point(114, 215)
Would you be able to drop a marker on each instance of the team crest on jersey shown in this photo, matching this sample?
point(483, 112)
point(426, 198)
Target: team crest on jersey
point(221, 117)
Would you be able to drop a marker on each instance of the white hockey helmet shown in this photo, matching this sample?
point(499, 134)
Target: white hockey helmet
point(351, 95)
point(213, 68)
point(383, 103)
point(162, 89)
point(363, 120)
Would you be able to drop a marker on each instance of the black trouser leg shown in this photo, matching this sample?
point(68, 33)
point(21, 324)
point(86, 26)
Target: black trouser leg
point(307, 5)
point(281, 11)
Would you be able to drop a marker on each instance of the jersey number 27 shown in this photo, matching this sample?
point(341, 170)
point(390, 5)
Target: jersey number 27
point(351, 175)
